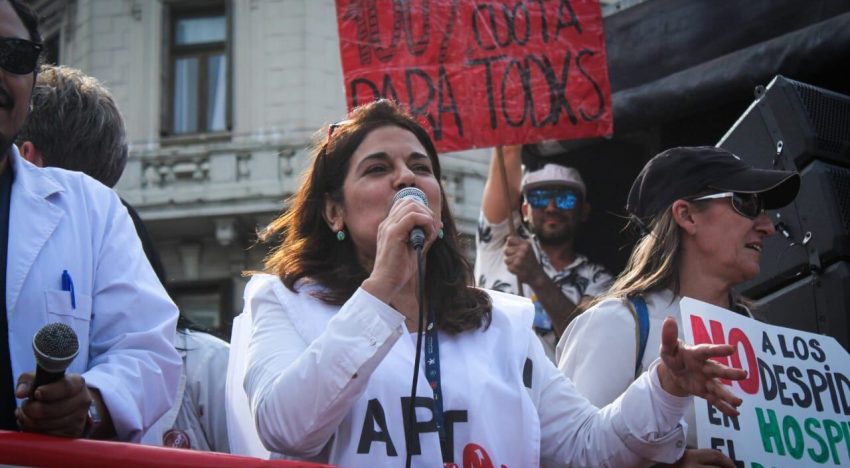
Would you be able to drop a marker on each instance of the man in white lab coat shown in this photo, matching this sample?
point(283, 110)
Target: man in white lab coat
point(71, 255)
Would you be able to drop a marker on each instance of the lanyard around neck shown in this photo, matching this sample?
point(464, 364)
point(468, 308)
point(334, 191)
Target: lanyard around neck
point(432, 373)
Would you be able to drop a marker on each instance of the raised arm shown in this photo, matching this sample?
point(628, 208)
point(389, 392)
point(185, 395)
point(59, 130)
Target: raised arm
point(493, 204)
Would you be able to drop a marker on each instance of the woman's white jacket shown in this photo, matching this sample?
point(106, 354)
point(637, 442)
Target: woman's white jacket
point(329, 383)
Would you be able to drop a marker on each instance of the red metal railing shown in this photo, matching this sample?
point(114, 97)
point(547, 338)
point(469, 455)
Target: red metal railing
point(26, 449)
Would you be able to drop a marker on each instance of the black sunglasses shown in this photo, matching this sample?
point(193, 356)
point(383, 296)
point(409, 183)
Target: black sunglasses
point(19, 56)
point(748, 205)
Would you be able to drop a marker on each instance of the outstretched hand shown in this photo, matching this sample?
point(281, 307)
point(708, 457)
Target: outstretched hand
point(689, 370)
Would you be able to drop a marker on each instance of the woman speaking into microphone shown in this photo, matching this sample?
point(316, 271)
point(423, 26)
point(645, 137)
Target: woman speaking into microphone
point(345, 299)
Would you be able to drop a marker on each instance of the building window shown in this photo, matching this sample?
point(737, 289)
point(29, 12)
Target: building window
point(199, 90)
point(207, 303)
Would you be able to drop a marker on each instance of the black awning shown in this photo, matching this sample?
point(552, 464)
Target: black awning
point(818, 54)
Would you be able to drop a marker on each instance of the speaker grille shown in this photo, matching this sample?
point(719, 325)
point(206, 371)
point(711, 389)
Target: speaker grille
point(829, 116)
point(840, 179)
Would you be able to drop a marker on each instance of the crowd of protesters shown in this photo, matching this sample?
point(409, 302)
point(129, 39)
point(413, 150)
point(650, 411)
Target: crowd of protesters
point(337, 318)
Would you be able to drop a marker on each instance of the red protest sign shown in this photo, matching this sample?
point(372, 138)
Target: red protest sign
point(481, 73)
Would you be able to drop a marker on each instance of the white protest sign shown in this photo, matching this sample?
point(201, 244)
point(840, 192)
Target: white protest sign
point(796, 409)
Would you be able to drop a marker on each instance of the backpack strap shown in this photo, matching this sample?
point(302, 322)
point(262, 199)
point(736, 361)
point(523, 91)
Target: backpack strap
point(641, 328)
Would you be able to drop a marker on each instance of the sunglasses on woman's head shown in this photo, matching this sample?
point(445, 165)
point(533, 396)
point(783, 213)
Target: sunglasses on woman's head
point(19, 56)
point(332, 128)
point(564, 199)
point(748, 205)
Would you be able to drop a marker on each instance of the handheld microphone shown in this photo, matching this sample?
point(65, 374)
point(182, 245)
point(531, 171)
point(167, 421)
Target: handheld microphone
point(417, 235)
point(55, 346)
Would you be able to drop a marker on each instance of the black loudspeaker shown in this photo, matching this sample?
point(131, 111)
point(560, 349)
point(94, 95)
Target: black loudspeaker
point(804, 275)
point(810, 303)
point(792, 121)
point(811, 233)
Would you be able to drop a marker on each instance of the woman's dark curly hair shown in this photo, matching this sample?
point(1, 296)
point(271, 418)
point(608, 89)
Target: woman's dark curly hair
point(309, 249)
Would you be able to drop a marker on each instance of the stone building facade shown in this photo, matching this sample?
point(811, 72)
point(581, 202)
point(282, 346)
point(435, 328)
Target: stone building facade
point(221, 99)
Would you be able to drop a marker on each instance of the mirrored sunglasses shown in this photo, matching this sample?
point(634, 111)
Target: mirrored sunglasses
point(564, 199)
point(748, 205)
point(19, 56)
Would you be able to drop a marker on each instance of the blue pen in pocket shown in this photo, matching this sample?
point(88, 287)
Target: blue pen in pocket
point(68, 285)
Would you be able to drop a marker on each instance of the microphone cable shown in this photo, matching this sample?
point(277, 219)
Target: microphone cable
point(411, 410)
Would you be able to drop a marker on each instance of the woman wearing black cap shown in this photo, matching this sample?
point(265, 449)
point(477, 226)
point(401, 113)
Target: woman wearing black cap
point(701, 213)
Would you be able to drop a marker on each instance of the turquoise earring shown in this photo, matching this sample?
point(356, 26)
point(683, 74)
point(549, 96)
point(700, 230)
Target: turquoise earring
point(441, 234)
point(340, 235)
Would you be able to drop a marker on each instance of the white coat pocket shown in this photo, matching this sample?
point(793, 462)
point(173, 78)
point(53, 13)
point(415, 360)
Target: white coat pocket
point(59, 309)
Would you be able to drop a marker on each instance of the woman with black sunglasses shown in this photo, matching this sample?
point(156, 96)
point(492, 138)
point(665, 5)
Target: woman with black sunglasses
point(701, 214)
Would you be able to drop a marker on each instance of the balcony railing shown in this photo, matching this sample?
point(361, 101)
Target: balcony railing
point(223, 178)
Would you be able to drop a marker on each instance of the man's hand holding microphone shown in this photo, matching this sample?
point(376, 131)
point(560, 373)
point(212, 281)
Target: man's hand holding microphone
point(56, 403)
